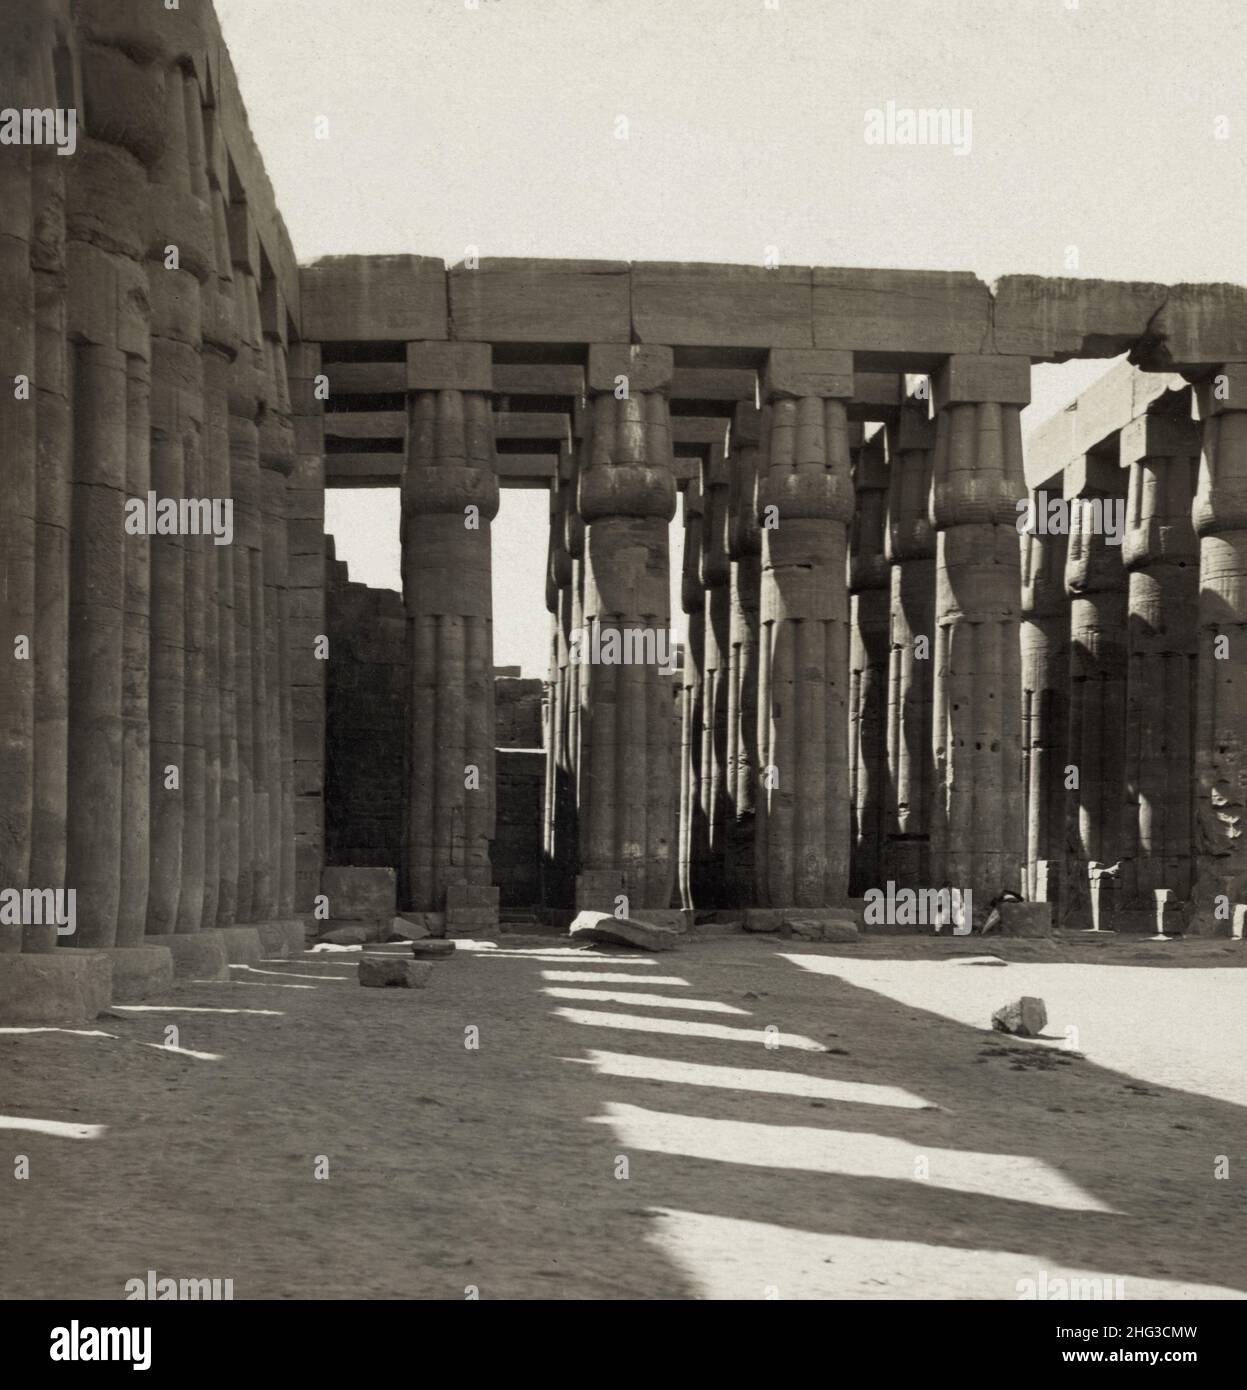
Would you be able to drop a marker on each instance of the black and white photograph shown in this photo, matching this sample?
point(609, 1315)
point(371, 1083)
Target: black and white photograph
point(623, 672)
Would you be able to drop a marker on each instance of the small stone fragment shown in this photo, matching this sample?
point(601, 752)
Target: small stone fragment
point(402, 930)
point(1025, 1017)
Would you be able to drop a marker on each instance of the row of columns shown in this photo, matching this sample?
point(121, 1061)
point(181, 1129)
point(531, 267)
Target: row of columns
point(848, 705)
point(146, 679)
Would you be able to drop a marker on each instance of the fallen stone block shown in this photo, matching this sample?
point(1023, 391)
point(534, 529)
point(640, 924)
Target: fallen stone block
point(393, 972)
point(360, 895)
point(433, 922)
point(432, 950)
point(402, 930)
point(763, 919)
point(623, 931)
point(344, 936)
point(1026, 1017)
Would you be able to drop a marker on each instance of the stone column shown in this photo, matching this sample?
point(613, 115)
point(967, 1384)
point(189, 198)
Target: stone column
point(745, 546)
point(627, 499)
point(18, 430)
point(277, 463)
point(870, 793)
point(577, 683)
point(805, 503)
point(716, 572)
point(560, 828)
point(1096, 583)
point(1045, 693)
point(693, 830)
point(53, 519)
point(109, 329)
point(248, 396)
point(910, 441)
point(1161, 556)
point(978, 827)
point(450, 497)
point(220, 336)
point(1220, 518)
point(305, 497)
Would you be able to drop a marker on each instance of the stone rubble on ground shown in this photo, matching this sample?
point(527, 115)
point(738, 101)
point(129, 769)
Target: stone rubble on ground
point(393, 972)
point(1026, 1017)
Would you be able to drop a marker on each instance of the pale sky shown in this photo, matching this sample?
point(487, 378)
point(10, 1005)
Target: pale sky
point(1107, 130)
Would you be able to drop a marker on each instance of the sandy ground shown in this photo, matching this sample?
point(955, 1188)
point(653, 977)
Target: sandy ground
point(746, 1117)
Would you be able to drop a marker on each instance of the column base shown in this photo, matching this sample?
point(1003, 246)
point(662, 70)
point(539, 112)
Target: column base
point(285, 940)
point(242, 944)
point(199, 955)
point(63, 988)
point(139, 972)
point(806, 923)
point(598, 889)
point(471, 910)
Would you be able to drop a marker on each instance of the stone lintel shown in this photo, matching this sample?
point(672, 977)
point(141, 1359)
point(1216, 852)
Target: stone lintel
point(689, 304)
point(747, 424)
point(374, 299)
point(440, 366)
point(1093, 475)
point(798, 372)
point(966, 379)
point(705, 430)
point(1159, 436)
point(647, 368)
point(532, 300)
point(877, 396)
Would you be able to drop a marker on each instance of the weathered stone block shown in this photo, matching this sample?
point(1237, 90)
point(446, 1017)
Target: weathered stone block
point(393, 972)
point(374, 299)
point(242, 945)
point(623, 931)
point(61, 987)
point(283, 940)
point(1026, 1017)
point(795, 373)
point(449, 367)
point(200, 955)
point(646, 368)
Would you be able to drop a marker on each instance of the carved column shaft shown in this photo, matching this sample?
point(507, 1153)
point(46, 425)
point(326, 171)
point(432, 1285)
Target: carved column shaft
point(870, 793)
point(805, 504)
point(450, 497)
point(910, 443)
point(978, 829)
point(745, 540)
point(627, 499)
